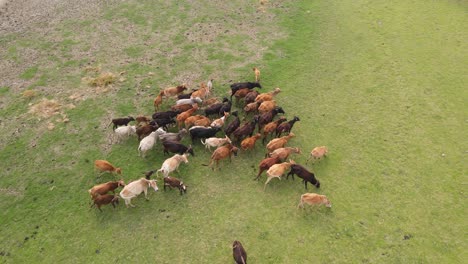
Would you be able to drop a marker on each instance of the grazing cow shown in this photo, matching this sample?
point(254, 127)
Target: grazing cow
point(105, 166)
point(124, 132)
point(222, 153)
point(220, 121)
point(265, 164)
point(318, 153)
point(176, 147)
point(283, 153)
point(122, 121)
point(314, 199)
point(249, 143)
point(233, 125)
point(173, 91)
point(203, 132)
point(277, 170)
point(148, 142)
point(245, 130)
point(104, 199)
point(263, 97)
point(175, 183)
point(162, 122)
point(215, 142)
point(268, 117)
point(237, 86)
point(140, 120)
point(104, 188)
point(286, 127)
point(304, 174)
point(135, 188)
point(240, 94)
point(277, 143)
point(238, 252)
point(257, 74)
point(271, 127)
point(226, 107)
point(184, 115)
point(171, 164)
point(211, 101)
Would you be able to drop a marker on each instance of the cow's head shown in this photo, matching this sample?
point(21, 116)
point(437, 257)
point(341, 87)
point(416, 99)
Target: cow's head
point(152, 184)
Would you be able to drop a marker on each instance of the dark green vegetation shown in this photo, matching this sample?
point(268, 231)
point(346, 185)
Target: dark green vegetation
point(382, 85)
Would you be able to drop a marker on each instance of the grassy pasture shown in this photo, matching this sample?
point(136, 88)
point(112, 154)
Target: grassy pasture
point(381, 84)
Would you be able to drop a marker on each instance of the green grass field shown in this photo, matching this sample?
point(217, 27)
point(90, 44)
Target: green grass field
point(382, 84)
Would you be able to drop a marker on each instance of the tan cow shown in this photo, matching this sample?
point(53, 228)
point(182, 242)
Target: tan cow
point(171, 164)
point(314, 199)
point(277, 170)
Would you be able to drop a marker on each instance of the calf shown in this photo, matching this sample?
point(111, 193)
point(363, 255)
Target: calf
point(238, 252)
point(233, 125)
point(245, 130)
point(222, 153)
point(203, 132)
point(104, 188)
point(181, 108)
point(104, 199)
point(267, 96)
point(215, 142)
point(277, 143)
point(122, 121)
point(214, 108)
point(165, 115)
point(283, 153)
point(268, 117)
point(175, 147)
point(257, 74)
point(172, 164)
point(173, 91)
point(157, 102)
point(249, 143)
point(190, 121)
point(250, 97)
point(265, 164)
point(148, 142)
point(145, 130)
point(220, 121)
point(314, 199)
point(196, 100)
point(124, 132)
point(135, 188)
point(318, 153)
point(204, 122)
point(105, 166)
point(304, 174)
point(175, 137)
point(271, 127)
point(286, 127)
point(175, 183)
point(277, 170)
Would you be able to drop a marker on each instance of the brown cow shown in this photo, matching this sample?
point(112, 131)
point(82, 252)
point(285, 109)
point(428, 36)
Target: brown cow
point(105, 199)
point(238, 252)
point(222, 153)
point(105, 166)
point(105, 188)
point(173, 91)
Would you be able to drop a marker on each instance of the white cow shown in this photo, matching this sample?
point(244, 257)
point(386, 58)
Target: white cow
point(135, 188)
point(147, 143)
point(215, 142)
point(124, 132)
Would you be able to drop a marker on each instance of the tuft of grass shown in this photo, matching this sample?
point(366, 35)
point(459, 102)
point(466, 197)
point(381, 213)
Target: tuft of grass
point(104, 79)
point(29, 73)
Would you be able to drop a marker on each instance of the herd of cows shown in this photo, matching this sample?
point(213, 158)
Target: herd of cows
point(202, 116)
